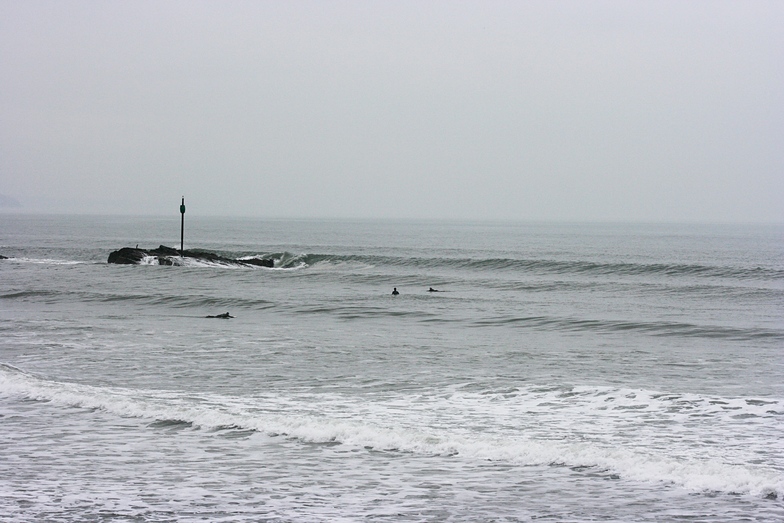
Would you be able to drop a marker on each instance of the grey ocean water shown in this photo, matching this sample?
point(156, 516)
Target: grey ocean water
point(565, 372)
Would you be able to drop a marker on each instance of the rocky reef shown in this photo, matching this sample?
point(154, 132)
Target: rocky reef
point(169, 256)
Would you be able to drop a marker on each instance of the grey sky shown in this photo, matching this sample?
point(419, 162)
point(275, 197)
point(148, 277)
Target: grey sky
point(566, 110)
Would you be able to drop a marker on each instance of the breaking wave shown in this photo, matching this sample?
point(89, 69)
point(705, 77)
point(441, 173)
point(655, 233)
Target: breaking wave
point(436, 425)
point(556, 266)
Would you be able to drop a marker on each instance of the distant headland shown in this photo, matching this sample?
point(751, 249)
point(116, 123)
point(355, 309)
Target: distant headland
point(169, 256)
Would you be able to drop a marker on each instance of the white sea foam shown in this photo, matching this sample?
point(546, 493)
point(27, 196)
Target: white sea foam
point(291, 264)
point(193, 262)
point(44, 261)
point(411, 425)
point(148, 260)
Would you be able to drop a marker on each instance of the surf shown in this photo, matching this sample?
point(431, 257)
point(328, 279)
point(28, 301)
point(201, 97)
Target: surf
point(328, 418)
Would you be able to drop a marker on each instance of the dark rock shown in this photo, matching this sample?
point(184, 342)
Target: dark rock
point(169, 256)
point(3, 257)
point(127, 256)
point(162, 250)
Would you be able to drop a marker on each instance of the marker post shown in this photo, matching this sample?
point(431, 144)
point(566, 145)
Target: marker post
point(182, 226)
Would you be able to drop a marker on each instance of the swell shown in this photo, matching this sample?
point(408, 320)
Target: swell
point(665, 289)
point(661, 328)
point(176, 301)
point(289, 260)
point(22, 295)
point(351, 312)
point(552, 323)
point(546, 266)
point(367, 311)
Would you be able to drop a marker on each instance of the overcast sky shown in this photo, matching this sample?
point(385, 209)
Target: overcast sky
point(540, 110)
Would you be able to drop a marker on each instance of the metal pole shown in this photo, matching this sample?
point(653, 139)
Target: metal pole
point(182, 226)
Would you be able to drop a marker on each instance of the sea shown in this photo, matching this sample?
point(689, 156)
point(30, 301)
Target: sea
point(561, 372)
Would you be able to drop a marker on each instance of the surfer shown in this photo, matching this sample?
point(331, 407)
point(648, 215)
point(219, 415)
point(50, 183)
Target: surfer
point(431, 289)
point(394, 292)
point(225, 315)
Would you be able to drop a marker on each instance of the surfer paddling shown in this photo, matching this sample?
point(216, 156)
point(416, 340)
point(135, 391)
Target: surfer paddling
point(225, 316)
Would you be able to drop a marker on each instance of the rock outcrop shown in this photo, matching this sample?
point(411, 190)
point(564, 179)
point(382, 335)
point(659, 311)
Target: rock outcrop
point(168, 256)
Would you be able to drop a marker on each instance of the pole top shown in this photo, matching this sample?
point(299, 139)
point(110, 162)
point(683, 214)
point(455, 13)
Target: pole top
point(182, 207)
